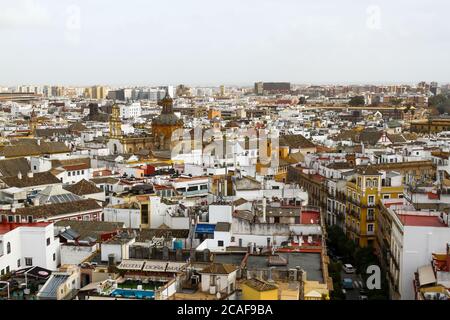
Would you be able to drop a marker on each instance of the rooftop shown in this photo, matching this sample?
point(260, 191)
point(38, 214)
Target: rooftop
point(421, 221)
point(7, 227)
point(260, 285)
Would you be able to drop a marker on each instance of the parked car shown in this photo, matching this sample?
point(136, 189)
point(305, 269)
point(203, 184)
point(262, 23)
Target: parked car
point(362, 297)
point(347, 283)
point(348, 268)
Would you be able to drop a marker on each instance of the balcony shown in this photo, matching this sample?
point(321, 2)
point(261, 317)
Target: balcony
point(355, 214)
point(193, 193)
point(354, 201)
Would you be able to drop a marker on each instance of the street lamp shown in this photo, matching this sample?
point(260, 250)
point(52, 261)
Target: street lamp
point(7, 284)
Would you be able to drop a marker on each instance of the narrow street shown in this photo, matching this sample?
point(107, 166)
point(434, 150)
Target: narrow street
point(353, 294)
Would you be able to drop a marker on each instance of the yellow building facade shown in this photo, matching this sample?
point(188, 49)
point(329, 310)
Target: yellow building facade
point(364, 194)
point(255, 289)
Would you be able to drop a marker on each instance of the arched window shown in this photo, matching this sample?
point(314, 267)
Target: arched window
point(8, 248)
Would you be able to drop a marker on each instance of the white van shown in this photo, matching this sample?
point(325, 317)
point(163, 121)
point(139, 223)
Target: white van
point(348, 268)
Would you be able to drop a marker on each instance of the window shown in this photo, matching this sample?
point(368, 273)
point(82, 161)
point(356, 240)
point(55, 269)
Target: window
point(144, 214)
point(48, 241)
point(386, 196)
point(78, 172)
point(220, 243)
point(10, 218)
point(34, 167)
point(371, 199)
point(28, 262)
point(82, 171)
point(17, 219)
point(7, 269)
point(18, 263)
point(54, 257)
point(370, 227)
point(8, 248)
point(3, 272)
point(30, 219)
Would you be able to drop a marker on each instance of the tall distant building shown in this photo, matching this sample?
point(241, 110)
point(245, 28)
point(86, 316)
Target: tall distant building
point(183, 91)
point(99, 92)
point(57, 91)
point(168, 89)
point(434, 88)
point(272, 87)
point(88, 93)
point(120, 95)
point(222, 91)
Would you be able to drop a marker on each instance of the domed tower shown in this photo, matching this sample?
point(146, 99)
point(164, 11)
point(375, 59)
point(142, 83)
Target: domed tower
point(115, 123)
point(33, 123)
point(165, 124)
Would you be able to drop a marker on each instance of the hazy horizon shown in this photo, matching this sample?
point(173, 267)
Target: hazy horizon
point(210, 43)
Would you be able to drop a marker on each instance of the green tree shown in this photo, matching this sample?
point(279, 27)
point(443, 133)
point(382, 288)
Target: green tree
point(396, 101)
point(440, 102)
point(357, 101)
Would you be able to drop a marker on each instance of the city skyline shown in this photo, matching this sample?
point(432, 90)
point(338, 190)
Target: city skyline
point(140, 43)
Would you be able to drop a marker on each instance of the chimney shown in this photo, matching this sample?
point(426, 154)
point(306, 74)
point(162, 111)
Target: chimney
point(269, 274)
point(165, 253)
point(111, 260)
point(179, 254)
point(192, 255)
point(19, 175)
point(206, 255)
point(448, 257)
point(30, 174)
point(264, 209)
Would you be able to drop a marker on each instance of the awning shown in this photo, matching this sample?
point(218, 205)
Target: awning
point(205, 228)
point(175, 266)
point(131, 265)
point(155, 266)
point(91, 286)
point(35, 271)
point(426, 275)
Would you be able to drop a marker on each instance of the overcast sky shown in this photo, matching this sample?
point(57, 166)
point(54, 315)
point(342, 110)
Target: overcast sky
point(213, 42)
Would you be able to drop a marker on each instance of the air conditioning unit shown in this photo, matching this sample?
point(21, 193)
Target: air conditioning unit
point(292, 274)
point(212, 290)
